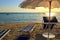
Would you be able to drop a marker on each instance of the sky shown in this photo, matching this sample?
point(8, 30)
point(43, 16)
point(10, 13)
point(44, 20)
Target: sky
point(6, 4)
point(12, 6)
point(9, 5)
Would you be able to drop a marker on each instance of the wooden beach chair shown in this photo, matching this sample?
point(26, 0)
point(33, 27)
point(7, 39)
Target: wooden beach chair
point(28, 28)
point(3, 33)
point(46, 26)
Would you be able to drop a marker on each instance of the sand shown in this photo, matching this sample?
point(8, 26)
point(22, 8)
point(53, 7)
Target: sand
point(14, 27)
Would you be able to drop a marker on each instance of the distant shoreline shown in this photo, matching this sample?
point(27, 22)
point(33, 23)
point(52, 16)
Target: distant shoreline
point(22, 12)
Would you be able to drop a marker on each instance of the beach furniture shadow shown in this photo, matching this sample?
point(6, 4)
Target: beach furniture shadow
point(23, 37)
point(57, 36)
point(39, 37)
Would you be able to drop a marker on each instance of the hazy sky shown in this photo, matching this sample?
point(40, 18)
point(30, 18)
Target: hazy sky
point(9, 4)
point(6, 4)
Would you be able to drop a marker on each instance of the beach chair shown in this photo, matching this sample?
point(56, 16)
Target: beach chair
point(28, 28)
point(3, 33)
point(46, 26)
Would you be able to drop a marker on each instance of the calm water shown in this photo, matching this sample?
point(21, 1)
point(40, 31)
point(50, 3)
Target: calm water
point(22, 17)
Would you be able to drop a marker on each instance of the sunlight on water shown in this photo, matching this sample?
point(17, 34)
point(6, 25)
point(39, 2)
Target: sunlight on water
point(51, 14)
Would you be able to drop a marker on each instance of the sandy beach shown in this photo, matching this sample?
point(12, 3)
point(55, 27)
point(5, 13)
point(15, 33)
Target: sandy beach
point(14, 27)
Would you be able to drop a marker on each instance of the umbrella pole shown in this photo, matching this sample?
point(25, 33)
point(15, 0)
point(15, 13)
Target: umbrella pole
point(49, 17)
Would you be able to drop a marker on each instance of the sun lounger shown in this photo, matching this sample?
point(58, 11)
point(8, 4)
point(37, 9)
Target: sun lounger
point(28, 28)
point(3, 33)
point(54, 20)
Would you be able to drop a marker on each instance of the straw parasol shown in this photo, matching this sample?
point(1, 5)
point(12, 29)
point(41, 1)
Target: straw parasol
point(39, 3)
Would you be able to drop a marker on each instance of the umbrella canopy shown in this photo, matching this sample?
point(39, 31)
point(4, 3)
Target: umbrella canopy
point(40, 3)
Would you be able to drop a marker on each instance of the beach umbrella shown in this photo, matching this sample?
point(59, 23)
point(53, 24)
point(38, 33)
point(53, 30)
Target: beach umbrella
point(44, 4)
point(39, 3)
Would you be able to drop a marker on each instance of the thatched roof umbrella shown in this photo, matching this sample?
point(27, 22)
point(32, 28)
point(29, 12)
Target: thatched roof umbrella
point(40, 3)
point(50, 4)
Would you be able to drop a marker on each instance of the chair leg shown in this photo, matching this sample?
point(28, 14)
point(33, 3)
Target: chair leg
point(52, 26)
point(44, 27)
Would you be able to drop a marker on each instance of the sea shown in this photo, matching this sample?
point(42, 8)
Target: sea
point(12, 17)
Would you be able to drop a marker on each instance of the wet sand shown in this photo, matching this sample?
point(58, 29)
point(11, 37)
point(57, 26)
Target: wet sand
point(14, 33)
